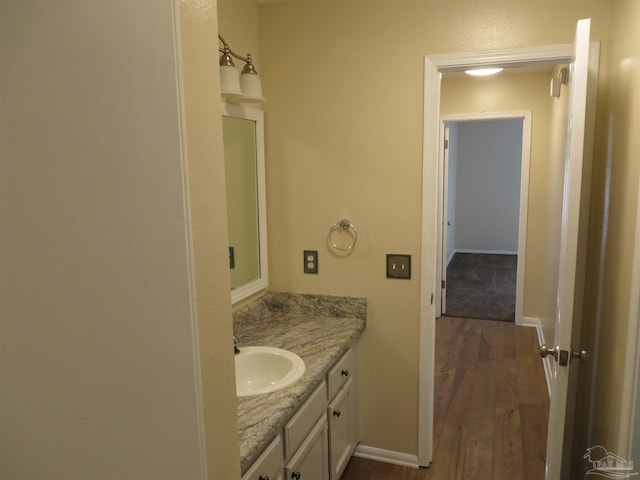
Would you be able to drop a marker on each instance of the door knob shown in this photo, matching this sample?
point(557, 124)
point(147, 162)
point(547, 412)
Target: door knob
point(582, 355)
point(562, 356)
point(544, 351)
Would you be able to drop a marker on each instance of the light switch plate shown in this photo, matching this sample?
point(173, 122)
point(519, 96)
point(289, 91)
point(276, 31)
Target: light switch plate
point(398, 266)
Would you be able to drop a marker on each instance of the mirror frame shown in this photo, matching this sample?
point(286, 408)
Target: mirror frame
point(262, 282)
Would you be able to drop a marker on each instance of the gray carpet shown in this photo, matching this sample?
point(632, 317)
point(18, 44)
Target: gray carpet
point(482, 286)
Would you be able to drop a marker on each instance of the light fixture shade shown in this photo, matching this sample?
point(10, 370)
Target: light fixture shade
point(251, 88)
point(483, 72)
point(229, 81)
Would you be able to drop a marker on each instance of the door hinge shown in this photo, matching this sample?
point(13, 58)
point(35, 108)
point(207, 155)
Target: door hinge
point(446, 144)
point(444, 284)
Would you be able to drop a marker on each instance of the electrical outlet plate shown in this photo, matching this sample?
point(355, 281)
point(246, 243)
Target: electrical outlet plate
point(310, 261)
point(398, 266)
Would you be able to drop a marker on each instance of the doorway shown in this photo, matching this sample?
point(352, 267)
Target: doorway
point(432, 205)
point(485, 195)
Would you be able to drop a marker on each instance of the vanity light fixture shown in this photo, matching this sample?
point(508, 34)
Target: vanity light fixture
point(243, 88)
point(483, 72)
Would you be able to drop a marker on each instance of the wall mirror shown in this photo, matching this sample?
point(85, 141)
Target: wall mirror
point(243, 133)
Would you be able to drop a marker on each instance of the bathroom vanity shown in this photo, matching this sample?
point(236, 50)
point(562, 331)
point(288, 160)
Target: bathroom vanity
point(307, 430)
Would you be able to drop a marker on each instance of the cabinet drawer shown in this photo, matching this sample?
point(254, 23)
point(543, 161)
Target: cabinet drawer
point(296, 430)
point(341, 372)
point(269, 465)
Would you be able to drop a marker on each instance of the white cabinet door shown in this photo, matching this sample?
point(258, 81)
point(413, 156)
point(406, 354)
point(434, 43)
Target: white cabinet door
point(311, 460)
point(343, 434)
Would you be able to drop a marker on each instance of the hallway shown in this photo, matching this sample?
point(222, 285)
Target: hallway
point(491, 407)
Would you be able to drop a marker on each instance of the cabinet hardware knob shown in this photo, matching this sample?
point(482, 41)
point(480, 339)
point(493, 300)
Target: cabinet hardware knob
point(336, 413)
point(263, 477)
point(296, 475)
point(345, 373)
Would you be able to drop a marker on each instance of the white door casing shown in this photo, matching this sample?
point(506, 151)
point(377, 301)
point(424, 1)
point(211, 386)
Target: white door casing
point(444, 223)
point(431, 203)
point(525, 160)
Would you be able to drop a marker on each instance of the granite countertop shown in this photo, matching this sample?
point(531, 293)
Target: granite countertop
point(319, 337)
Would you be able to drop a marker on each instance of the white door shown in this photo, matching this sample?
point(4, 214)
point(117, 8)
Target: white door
point(445, 223)
point(561, 400)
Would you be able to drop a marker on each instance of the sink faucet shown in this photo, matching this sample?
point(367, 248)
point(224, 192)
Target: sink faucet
point(236, 350)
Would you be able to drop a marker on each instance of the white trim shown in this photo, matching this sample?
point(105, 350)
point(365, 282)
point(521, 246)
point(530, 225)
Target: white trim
point(450, 257)
point(261, 283)
point(546, 362)
point(193, 307)
point(562, 400)
point(517, 57)
point(525, 166)
point(489, 252)
point(444, 219)
point(433, 65)
point(533, 322)
point(428, 286)
point(386, 456)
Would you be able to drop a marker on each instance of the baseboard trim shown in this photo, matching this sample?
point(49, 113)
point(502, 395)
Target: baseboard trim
point(386, 456)
point(546, 362)
point(492, 252)
point(533, 322)
point(450, 257)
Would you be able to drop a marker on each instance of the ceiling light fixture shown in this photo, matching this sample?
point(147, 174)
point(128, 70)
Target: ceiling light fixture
point(243, 88)
point(483, 72)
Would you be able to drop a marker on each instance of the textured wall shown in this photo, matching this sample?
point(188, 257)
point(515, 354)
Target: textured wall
point(203, 118)
point(344, 80)
point(613, 229)
point(98, 362)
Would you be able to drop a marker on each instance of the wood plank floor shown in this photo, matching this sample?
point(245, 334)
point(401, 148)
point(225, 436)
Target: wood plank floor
point(491, 407)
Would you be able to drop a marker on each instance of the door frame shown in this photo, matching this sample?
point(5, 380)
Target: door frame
point(431, 195)
point(525, 161)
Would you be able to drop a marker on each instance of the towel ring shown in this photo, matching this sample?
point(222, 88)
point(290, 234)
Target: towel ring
point(343, 224)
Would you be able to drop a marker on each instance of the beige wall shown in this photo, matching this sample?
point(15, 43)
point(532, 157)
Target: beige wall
point(613, 214)
point(510, 93)
point(344, 120)
point(99, 369)
point(238, 24)
point(209, 225)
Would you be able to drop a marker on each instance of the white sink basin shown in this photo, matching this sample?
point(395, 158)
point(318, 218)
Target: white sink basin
point(266, 369)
